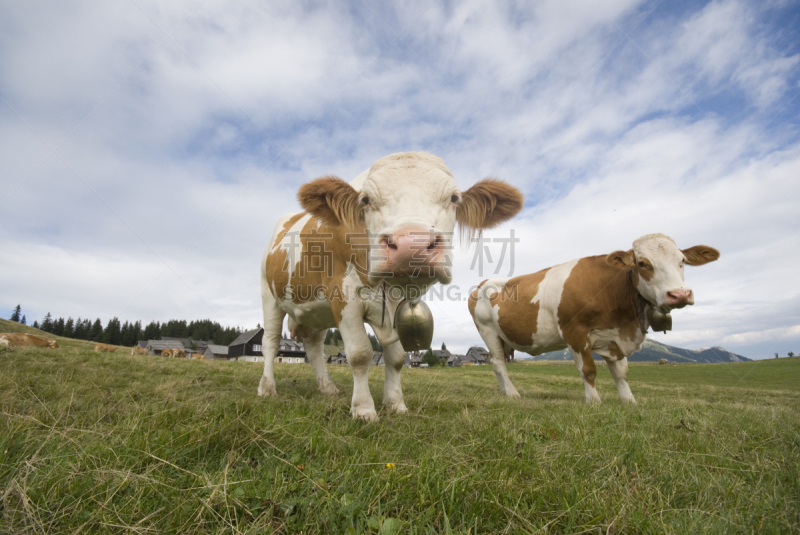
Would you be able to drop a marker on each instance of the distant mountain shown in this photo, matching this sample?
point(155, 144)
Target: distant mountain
point(652, 351)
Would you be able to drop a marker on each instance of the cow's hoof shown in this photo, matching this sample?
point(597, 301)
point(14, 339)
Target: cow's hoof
point(368, 415)
point(329, 389)
point(630, 401)
point(512, 393)
point(265, 388)
point(400, 408)
point(593, 401)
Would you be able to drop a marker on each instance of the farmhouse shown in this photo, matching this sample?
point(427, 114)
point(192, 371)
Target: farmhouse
point(455, 361)
point(442, 354)
point(341, 358)
point(476, 355)
point(413, 359)
point(214, 351)
point(246, 344)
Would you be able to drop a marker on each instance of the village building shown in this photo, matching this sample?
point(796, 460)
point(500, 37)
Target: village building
point(455, 361)
point(247, 344)
point(476, 355)
point(214, 351)
point(341, 358)
point(413, 359)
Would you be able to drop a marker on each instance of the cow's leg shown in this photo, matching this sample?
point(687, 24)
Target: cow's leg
point(314, 346)
point(498, 357)
point(394, 357)
point(359, 353)
point(586, 366)
point(619, 371)
point(273, 324)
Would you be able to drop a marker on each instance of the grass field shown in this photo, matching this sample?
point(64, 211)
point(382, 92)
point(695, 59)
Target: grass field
point(114, 443)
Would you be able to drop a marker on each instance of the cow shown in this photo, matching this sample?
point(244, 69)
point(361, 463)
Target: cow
point(136, 350)
point(663, 361)
point(198, 356)
point(104, 348)
point(597, 304)
point(357, 251)
point(22, 340)
point(176, 353)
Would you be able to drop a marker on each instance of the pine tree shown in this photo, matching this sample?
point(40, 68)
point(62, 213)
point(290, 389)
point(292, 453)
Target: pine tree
point(112, 333)
point(35, 324)
point(58, 327)
point(152, 331)
point(136, 332)
point(47, 323)
point(444, 347)
point(69, 328)
point(96, 332)
point(16, 314)
point(23, 320)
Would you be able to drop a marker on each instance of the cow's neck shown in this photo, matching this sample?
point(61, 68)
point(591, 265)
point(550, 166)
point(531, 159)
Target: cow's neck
point(647, 314)
point(640, 304)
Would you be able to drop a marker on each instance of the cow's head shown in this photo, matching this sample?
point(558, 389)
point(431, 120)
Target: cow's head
point(52, 344)
point(656, 264)
point(409, 204)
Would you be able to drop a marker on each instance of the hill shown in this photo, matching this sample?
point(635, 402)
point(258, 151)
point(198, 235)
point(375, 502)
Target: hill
point(652, 351)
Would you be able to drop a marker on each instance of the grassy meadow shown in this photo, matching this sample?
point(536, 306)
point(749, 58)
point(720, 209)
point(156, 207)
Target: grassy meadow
point(114, 443)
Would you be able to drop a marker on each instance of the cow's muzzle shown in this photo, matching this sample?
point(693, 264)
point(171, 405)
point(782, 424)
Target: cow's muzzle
point(679, 298)
point(412, 252)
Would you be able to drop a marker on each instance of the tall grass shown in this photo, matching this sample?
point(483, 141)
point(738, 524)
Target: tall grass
point(112, 443)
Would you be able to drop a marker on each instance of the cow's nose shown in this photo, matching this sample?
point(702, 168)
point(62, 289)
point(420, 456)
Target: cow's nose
point(412, 245)
point(680, 298)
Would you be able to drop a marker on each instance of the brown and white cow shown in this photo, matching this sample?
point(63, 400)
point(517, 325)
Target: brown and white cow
point(22, 340)
point(595, 304)
point(136, 350)
point(176, 353)
point(105, 348)
point(390, 228)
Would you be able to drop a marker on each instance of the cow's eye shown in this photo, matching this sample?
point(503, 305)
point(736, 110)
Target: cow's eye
point(643, 264)
point(454, 198)
point(365, 201)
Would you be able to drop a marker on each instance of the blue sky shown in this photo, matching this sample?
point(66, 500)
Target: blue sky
point(148, 149)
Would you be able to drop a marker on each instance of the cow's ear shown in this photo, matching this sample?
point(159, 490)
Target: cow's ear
point(332, 200)
point(700, 254)
point(621, 259)
point(487, 204)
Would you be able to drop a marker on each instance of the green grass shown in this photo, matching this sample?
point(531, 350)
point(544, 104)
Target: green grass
point(113, 443)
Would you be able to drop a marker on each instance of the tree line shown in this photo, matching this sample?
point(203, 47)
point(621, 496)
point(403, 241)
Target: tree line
point(129, 333)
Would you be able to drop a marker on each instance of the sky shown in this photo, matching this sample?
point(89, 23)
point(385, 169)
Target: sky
point(147, 149)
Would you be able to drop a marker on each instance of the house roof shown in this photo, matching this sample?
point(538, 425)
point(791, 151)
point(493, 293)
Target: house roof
point(159, 345)
point(246, 337)
point(218, 350)
point(454, 357)
point(142, 343)
point(287, 344)
point(442, 353)
point(185, 341)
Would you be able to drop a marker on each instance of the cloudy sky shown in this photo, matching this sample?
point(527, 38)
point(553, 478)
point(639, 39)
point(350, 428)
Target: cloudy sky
point(148, 148)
